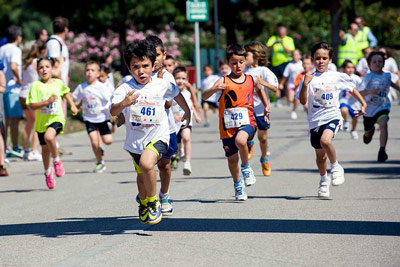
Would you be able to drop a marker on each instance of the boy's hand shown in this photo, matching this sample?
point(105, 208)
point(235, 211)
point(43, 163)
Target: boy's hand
point(186, 117)
point(308, 78)
point(266, 115)
point(130, 98)
point(121, 120)
point(74, 110)
point(52, 99)
point(221, 86)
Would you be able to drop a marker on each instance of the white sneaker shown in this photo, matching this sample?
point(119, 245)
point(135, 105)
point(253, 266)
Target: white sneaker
point(293, 115)
point(34, 156)
point(187, 168)
point(323, 189)
point(240, 193)
point(248, 176)
point(337, 175)
point(354, 135)
point(346, 127)
point(166, 205)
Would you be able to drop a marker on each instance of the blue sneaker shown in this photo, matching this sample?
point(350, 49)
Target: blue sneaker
point(240, 193)
point(154, 212)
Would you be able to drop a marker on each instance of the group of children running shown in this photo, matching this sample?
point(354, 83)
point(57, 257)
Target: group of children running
point(157, 104)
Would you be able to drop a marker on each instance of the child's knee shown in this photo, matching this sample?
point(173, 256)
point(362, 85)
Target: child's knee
point(49, 137)
point(240, 141)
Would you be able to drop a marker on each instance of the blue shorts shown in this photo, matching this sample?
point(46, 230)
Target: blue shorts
point(316, 133)
point(261, 123)
point(351, 111)
point(173, 146)
point(229, 143)
point(12, 108)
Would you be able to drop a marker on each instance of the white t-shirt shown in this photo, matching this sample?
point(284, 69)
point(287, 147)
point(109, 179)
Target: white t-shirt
point(376, 103)
point(323, 96)
point(363, 65)
point(177, 110)
point(269, 77)
point(207, 83)
point(291, 71)
point(125, 79)
point(11, 53)
point(392, 68)
point(346, 98)
point(95, 99)
point(29, 76)
point(53, 50)
point(146, 120)
point(169, 78)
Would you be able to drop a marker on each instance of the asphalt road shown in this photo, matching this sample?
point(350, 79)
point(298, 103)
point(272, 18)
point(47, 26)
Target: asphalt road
point(91, 219)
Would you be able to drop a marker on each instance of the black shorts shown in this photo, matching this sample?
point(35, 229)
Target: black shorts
point(369, 122)
point(159, 147)
point(102, 127)
point(316, 133)
point(179, 134)
point(229, 144)
point(212, 104)
point(56, 126)
point(261, 123)
point(278, 70)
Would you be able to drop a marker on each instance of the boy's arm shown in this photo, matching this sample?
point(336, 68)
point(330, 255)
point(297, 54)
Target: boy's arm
point(395, 86)
point(263, 97)
point(282, 83)
point(14, 69)
point(304, 88)
point(130, 98)
point(2, 82)
point(41, 104)
point(268, 85)
point(193, 96)
point(196, 116)
point(360, 99)
point(70, 101)
point(180, 100)
point(218, 85)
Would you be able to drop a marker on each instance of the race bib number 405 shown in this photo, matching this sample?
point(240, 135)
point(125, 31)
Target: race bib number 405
point(147, 110)
point(236, 117)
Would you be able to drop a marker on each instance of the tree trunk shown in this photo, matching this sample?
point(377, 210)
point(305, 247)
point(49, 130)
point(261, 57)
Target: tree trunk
point(335, 9)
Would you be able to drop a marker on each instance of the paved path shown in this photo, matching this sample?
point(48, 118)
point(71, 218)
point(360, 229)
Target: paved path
point(90, 219)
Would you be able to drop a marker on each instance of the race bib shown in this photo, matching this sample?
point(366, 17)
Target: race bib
point(147, 110)
point(51, 109)
point(379, 100)
point(236, 117)
point(93, 105)
point(325, 99)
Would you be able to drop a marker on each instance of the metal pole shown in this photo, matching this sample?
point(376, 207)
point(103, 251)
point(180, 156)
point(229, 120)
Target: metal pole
point(216, 33)
point(197, 48)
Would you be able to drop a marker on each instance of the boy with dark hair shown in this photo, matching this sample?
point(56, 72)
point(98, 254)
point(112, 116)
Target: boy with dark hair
point(236, 119)
point(169, 63)
point(142, 100)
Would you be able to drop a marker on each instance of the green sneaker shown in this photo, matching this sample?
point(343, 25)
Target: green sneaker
point(154, 212)
point(100, 167)
point(143, 214)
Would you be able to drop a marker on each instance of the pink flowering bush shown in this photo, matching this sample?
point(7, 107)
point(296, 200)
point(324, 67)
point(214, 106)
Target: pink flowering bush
point(83, 47)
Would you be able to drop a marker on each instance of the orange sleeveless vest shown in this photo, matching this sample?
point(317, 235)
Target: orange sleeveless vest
point(234, 96)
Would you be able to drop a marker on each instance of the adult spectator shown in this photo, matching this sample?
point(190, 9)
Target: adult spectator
point(364, 38)
point(41, 35)
point(11, 55)
point(348, 46)
point(57, 49)
point(282, 47)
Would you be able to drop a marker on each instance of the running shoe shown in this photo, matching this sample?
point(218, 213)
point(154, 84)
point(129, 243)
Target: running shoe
point(15, 152)
point(187, 168)
point(34, 155)
point(382, 156)
point(346, 127)
point(50, 181)
point(240, 193)
point(166, 205)
point(367, 139)
point(206, 124)
point(337, 175)
point(143, 214)
point(154, 212)
point(250, 145)
point(293, 115)
point(58, 166)
point(3, 171)
point(100, 167)
point(266, 169)
point(354, 135)
point(248, 176)
point(323, 189)
point(174, 164)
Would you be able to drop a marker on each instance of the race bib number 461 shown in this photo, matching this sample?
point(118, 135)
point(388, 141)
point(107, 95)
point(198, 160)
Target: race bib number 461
point(147, 110)
point(236, 117)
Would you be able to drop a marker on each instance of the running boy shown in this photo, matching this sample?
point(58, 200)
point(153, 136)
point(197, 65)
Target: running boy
point(45, 97)
point(375, 89)
point(236, 116)
point(182, 82)
point(321, 90)
point(94, 96)
point(169, 63)
point(206, 83)
point(142, 100)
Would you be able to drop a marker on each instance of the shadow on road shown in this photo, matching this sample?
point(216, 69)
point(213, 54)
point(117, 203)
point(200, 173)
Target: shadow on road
point(390, 170)
point(117, 225)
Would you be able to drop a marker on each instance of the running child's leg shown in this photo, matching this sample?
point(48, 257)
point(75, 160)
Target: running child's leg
point(107, 139)
point(187, 144)
point(383, 128)
point(337, 172)
point(321, 157)
point(354, 122)
point(205, 110)
point(164, 166)
point(263, 138)
point(50, 137)
point(344, 110)
point(241, 143)
point(233, 164)
point(94, 137)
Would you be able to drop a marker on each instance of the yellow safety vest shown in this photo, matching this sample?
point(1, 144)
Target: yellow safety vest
point(362, 41)
point(348, 51)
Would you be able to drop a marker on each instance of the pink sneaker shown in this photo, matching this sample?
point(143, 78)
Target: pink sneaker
point(58, 166)
point(51, 183)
